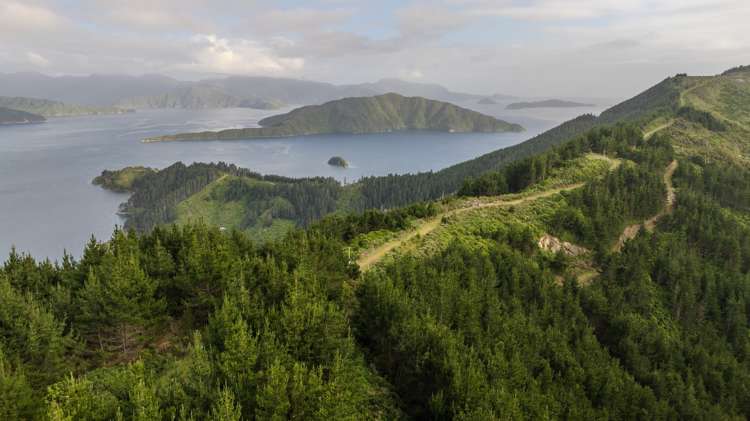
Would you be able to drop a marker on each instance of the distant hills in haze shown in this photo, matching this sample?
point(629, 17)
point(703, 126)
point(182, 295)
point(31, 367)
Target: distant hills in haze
point(157, 91)
point(377, 114)
point(548, 103)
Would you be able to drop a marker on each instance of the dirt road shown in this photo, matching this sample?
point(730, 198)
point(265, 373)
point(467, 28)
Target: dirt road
point(632, 230)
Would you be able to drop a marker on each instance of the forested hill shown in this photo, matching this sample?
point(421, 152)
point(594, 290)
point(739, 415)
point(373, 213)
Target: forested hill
point(49, 108)
point(10, 116)
point(378, 114)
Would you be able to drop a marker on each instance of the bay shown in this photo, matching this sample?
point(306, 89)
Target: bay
point(48, 204)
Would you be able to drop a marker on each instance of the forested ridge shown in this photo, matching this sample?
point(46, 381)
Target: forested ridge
point(189, 322)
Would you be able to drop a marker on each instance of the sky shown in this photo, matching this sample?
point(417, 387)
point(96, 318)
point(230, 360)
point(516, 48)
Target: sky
point(570, 48)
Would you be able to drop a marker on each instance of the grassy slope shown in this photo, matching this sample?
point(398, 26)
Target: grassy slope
point(466, 219)
point(728, 99)
point(230, 215)
point(376, 114)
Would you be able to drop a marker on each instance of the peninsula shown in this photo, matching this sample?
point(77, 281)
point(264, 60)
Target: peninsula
point(10, 116)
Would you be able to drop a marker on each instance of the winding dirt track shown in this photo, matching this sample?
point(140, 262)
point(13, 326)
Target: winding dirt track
point(367, 260)
point(631, 231)
point(647, 135)
point(370, 258)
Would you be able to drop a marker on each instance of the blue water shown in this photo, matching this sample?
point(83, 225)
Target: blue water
point(48, 204)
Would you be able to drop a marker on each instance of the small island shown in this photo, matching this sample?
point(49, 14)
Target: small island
point(548, 103)
point(10, 116)
point(487, 101)
point(377, 114)
point(338, 161)
point(122, 181)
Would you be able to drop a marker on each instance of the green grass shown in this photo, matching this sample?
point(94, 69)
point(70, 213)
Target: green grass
point(577, 170)
point(205, 206)
point(202, 206)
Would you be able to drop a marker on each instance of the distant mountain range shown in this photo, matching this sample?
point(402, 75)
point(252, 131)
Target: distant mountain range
point(48, 108)
point(383, 113)
point(203, 96)
point(10, 116)
point(156, 91)
point(549, 103)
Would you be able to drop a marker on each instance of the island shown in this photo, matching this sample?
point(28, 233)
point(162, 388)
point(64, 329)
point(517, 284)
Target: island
point(48, 108)
point(487, 101)
point(548, 103)
point(376, 114)
point(122, 180)
point(10, 116)
point(338, 161)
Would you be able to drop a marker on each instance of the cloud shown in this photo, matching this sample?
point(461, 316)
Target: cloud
point(430, 20)
point(36, 59)
point(237, 56)
point(300, 20)
point(412, 74)
point(536, 47)
point(27, 17)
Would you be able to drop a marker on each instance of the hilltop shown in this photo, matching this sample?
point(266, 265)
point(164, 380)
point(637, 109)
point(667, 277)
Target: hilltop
point(384, 113)
point(48, 108)
point(548, 103)
point(10, 116)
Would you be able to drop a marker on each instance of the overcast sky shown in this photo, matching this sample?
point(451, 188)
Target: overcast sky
point(594, 48)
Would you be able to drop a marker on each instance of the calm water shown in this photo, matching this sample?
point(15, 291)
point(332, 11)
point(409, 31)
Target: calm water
point(48, 204)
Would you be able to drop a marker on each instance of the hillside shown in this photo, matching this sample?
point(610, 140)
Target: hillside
point(548, 103)
point(9, 116)
point(384, 113)
point(47, 108)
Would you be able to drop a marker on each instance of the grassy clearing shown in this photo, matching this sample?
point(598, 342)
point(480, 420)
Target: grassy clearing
point(202, 206)
point(577, 170)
